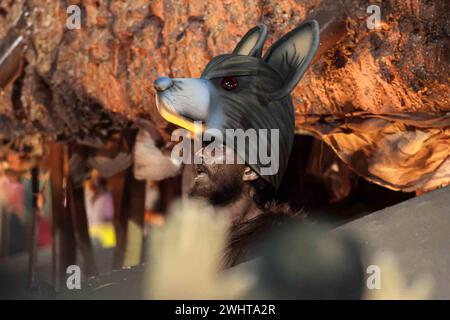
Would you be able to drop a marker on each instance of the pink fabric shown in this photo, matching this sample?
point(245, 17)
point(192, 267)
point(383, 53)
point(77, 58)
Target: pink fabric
point(101, 209)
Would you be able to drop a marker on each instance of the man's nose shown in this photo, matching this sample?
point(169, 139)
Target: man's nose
point(162, 83)
point(199, 154)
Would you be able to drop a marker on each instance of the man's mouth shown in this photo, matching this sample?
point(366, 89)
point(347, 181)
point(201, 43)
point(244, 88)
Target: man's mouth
point(201, 171)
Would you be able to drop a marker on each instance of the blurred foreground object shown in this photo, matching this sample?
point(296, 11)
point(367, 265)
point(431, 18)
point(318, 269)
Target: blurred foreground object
point(393, 283)
point(416, 232)
point(303, 261)
point(297, 261)
point(185, 256)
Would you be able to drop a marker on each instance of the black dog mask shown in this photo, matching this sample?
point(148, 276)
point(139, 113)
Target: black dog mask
point(245, 90)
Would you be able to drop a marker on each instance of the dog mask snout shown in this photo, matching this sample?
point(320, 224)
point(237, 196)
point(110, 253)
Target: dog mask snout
point(162, 83)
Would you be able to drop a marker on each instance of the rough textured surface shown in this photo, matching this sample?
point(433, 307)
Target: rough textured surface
point(85, 83)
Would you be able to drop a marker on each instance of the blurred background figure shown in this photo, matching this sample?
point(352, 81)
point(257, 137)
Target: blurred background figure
point(16, 205)
point(100, 211)
point(12, 215)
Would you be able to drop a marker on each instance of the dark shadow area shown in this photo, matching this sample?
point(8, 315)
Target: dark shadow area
point(319, 183)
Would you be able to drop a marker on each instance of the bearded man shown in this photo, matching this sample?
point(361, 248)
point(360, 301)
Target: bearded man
point(239, 94)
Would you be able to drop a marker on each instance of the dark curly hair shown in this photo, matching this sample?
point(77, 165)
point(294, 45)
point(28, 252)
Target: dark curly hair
point(244, 235)
point(265, 193)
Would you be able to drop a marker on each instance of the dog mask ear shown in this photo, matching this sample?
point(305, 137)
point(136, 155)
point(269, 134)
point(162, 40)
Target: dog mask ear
point(253, 41)
point(292, 54)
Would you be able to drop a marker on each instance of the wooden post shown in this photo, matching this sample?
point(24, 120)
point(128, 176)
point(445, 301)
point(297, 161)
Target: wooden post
point(134, 208)
point(116, 185)
point(32, 246)
point(64, 250)
point(75, 193)
point(129, 210)
point(4, 234)
point(80, 223)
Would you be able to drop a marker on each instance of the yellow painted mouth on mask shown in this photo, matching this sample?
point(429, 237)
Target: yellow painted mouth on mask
point(181, 122)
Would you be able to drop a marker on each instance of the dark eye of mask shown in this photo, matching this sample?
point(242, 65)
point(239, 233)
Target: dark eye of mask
point(229, 83)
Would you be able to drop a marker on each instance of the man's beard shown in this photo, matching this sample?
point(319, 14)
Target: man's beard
point(220, 189)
